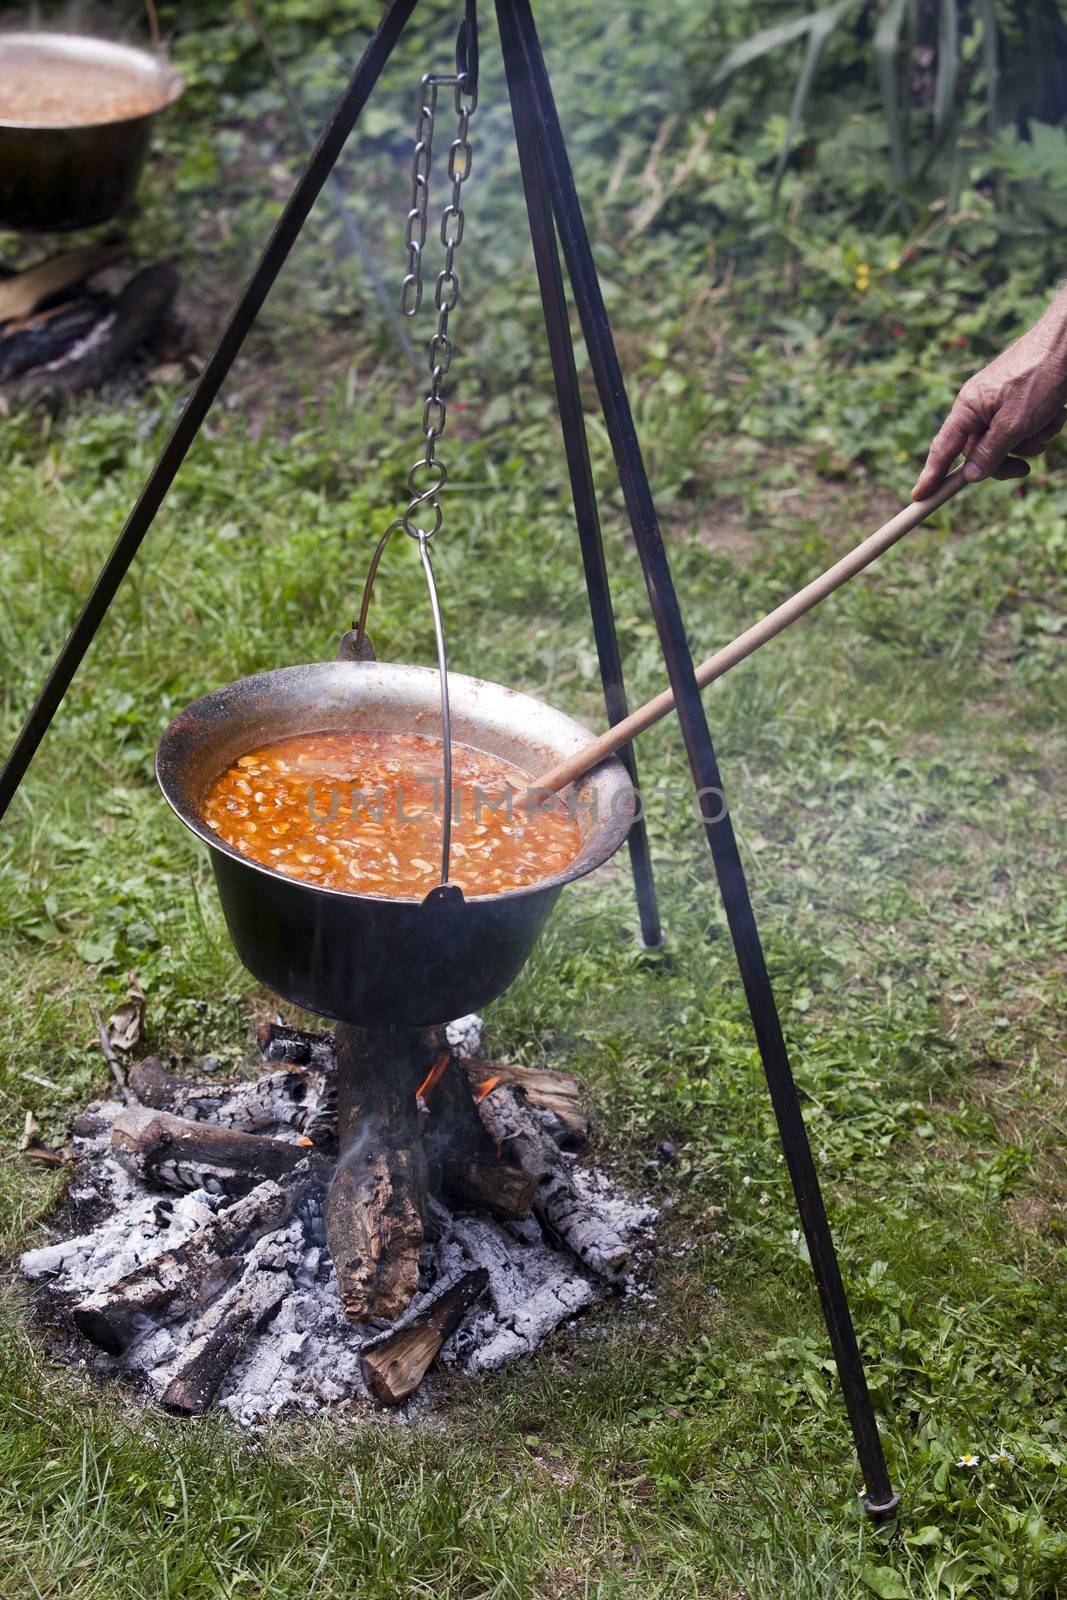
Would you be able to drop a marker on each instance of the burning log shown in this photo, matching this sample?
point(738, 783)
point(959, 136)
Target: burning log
point(394, 1367)
point(552, 1092)
point(558, 1202)
point(183, 1154)
point(289, 1098)
point(376, 1205)
point(221, 1333)
point(175, 1282)
point(462, 1157)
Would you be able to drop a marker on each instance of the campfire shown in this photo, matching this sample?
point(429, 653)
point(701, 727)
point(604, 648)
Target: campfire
point(74, 321)
point(376, 1200)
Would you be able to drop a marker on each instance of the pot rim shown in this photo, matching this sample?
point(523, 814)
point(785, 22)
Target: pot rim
point(610, 834)
point(172, 84)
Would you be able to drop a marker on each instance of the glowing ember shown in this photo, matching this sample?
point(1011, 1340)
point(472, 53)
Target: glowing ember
point(484, 1088)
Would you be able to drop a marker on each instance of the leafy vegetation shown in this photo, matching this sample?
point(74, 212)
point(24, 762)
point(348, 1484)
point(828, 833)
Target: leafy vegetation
point(895, 766)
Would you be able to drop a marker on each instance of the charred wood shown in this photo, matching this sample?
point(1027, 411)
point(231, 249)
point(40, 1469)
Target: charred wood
point(554, 1093)
point(182, 1154)
point(291, 1097)
point(394, 1367)
point(376, 1204)
point(494, 1186)
point(280, 1042)
point(129, 321)
point(42, 338)
point(222, 1332)
point(176, 1281)
point(558, 1203)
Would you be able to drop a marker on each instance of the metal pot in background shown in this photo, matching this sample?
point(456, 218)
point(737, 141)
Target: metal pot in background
point(58, 178)
point(368, 959)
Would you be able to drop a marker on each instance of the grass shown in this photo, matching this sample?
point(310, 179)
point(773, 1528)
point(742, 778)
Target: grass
point(894, 765)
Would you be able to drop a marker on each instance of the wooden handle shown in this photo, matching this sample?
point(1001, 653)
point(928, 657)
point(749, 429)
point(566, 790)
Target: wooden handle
point(759, 633)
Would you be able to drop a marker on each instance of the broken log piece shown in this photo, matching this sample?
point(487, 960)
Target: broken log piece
point(525, 1309)
point(394, 1367)
point(494, 1186)
point(558, 1202)
point(462, 1157)
point(280, 1042)
point(552, 1092)
point(43, 338)
point(181, 1154)
point(290, 1097)
point(119, 333)
point(221, 1333)
point(174, 1283)
point(376, 1203)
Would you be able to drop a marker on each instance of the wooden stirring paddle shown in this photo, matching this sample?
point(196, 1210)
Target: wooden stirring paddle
point(759, 633)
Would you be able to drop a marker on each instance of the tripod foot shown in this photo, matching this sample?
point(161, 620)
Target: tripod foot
point(881, 1511)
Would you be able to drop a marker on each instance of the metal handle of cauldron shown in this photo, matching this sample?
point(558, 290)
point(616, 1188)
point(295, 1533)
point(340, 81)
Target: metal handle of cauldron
point(446, 298)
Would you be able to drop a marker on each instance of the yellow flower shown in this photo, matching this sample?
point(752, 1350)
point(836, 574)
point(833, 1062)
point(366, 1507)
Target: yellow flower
point(894, 265)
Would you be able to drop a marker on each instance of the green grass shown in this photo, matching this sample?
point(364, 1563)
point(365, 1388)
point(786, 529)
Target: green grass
point(894, 764)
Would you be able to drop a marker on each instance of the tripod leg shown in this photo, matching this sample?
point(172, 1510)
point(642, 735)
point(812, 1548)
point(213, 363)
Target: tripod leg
point(530, 84)
point(207, 387)
point(583, 493)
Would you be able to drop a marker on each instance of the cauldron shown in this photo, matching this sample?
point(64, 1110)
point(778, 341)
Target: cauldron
point(368, 959)
point(78, 175)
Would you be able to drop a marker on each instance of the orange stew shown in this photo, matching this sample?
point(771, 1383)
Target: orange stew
point(362, 811)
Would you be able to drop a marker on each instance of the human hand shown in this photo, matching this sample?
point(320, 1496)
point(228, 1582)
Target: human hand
point(1011, 409)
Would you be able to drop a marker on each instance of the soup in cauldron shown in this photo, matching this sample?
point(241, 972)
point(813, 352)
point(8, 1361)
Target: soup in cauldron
point(362, 811)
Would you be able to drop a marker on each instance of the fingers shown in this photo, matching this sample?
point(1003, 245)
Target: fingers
point(950, 439)
point(1034, 445)
point(990, 450)
point(1012, 467)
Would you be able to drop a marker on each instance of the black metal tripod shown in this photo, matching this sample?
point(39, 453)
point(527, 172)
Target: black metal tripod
point(555, 215)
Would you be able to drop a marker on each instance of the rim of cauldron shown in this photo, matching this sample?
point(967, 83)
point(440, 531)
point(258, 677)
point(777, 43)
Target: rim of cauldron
point(172, 84)
point(611, 831)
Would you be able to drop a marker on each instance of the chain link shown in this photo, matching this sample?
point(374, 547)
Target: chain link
point(428, 475)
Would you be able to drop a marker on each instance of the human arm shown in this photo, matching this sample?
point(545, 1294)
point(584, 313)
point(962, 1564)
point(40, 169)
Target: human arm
point(1009, 410)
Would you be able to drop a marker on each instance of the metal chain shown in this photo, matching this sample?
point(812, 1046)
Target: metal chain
point(428, 475)
point(434, 411)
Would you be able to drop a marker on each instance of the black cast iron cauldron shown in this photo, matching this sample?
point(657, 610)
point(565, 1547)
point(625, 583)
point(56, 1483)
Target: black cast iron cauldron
point(368, 959)
point(76, 175)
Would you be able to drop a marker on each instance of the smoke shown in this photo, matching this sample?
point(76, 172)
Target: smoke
point(81, 16)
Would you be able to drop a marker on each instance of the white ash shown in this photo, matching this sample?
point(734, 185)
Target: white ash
point(307, 1356)
point(465, 1035)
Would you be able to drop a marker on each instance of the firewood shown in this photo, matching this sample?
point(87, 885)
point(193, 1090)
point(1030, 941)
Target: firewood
point(221, 1333)
point(291, 1097)
point(493, 1186)
point(394, 1367)
point(280, 1042)
point(558, 1202)
point(24, 292)
point(552, 1092)
point(40, 339)
point(376, 1204)
point(132, 317)
point(181, 1154)
point(174, 1283)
